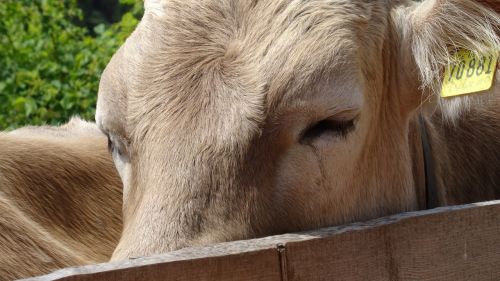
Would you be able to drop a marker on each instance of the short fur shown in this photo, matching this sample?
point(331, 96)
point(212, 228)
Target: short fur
point(60, 199)
point(209, 101)
point(457, 25)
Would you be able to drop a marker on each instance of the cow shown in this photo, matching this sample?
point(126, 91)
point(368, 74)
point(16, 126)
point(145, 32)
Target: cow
point(60, 199)
point(234, 119)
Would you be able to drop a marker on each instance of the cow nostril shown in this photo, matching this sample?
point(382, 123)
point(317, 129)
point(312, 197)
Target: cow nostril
point(330, 127)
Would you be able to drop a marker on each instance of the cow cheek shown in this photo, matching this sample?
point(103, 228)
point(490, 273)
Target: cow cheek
point(299, 181)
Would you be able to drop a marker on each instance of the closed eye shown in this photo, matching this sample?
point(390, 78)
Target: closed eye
point(326, 127)
point(116, 145)
point(110, 145)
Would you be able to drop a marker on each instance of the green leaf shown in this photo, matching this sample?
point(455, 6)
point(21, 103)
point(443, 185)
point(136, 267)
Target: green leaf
point(99, 29)
point(29, 106)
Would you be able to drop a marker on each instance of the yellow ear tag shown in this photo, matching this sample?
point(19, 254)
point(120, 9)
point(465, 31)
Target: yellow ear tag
point(469, 73)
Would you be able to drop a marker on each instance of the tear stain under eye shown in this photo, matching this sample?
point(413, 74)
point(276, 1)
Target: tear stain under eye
point(320, 165)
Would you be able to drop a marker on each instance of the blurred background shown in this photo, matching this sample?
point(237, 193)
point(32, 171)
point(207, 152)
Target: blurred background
point(52, 53)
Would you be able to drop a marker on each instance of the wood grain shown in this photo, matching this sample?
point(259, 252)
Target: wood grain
point(451, 243)
point(459, 244)
point(228, 267)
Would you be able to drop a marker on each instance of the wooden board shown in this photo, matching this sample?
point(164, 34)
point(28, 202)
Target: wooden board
point(452, 243)
point(460, 244)
point(199, 264)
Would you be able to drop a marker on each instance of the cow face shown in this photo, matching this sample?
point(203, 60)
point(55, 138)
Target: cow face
point(237, 119)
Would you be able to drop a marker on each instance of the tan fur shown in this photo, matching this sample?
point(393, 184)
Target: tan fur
point(439, 29)
point(60, 199)
point(207, 103)
point(467, 154)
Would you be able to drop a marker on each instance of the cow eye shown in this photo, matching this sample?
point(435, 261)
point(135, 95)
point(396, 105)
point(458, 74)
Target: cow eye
point(115, 145)
point(111, 146)
point(326, 127)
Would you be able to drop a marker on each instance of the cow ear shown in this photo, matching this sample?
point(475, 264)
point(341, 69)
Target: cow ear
point(439, 27)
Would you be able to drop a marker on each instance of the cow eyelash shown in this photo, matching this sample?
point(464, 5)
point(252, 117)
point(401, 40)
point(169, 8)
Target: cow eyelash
point(337, 128)
point(116, 144)
point(111, 146)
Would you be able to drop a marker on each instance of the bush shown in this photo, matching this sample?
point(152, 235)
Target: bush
point(50, 66)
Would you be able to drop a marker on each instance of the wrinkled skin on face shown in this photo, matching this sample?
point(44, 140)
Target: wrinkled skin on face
point(238, 119)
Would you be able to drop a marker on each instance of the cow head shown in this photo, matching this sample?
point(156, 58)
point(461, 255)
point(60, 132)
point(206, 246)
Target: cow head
point(237, 119)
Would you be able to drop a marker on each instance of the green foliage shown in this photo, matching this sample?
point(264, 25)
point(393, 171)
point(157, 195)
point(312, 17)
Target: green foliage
point(50, 66)
point(107, 11)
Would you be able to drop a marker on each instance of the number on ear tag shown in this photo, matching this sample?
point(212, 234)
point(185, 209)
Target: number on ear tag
point(469, 73)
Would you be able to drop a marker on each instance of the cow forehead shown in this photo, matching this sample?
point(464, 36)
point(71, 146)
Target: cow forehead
point(162, 7)
point(156, 7)
point(239, 54)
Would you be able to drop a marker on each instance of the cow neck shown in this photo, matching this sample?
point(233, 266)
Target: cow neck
point(431, 197)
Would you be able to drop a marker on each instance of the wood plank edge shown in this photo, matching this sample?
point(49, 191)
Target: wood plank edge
point(277, 242)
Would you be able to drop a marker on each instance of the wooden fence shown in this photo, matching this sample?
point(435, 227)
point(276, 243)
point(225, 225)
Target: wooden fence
point(451, 243)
